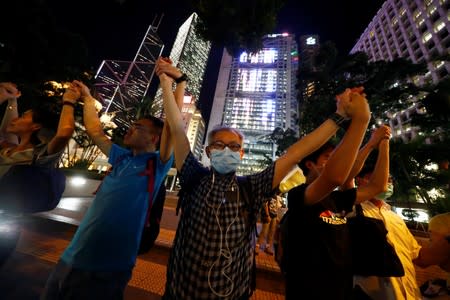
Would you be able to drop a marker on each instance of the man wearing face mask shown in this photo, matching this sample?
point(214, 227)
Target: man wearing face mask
point(399, 236)
point(212, 253)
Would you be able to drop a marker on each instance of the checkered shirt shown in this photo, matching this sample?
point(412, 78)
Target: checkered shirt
point(198, 267)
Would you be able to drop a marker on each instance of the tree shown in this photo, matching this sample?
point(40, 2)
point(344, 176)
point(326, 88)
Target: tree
point(237, 25)
point(390, 90)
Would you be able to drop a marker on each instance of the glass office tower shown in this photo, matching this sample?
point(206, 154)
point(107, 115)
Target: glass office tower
point(256, 93)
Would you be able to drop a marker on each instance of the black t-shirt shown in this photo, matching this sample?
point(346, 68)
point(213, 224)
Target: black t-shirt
point(318, 246)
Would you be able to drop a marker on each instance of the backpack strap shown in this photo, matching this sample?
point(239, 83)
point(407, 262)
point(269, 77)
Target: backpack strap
point(150, 173)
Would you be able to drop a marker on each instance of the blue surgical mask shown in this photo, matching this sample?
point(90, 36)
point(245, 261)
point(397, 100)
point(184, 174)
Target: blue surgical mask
point(225, 161)
point(388, 193)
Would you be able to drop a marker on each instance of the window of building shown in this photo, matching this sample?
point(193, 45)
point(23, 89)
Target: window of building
point(431, 10)
point(426, 37)
point(439, 26)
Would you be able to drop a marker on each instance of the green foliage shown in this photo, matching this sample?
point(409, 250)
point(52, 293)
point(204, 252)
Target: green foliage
point(237, 25)
point(390, 90)
point(283, 139)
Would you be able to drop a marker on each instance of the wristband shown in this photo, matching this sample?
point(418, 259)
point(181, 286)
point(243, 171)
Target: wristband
point(69, 103)
point(339, 120)
point(182, 78)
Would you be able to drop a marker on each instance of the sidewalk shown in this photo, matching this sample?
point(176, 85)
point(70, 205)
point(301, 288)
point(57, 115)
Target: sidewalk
point(72, 209)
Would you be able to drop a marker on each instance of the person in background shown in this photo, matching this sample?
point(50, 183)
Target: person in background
point(437, 252)
point(21, 135)
point(99, 260)
point(399, 236)
point(36, 131)
point(266, 236)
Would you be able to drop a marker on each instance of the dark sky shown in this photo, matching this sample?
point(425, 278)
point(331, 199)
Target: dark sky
point(114, 30)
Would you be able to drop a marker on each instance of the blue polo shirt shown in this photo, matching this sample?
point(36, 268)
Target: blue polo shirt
point(109, 234)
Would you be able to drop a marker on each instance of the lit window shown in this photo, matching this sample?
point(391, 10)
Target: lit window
point(426, 37)
point(439, 26)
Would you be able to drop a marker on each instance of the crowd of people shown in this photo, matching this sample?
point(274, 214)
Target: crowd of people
point(215, 243)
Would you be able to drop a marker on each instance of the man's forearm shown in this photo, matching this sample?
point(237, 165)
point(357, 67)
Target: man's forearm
point(90, 117)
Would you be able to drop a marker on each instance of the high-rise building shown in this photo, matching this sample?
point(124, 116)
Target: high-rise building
point(190, 54)
point(194, 125)
point(121, 84)
point(256, 93)
point(417, 30)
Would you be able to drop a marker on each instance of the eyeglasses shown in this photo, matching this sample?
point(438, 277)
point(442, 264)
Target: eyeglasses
point(142, 127)
point(235, 147)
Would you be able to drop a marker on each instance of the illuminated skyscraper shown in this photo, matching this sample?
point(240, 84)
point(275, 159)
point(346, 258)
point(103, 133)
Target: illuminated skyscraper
point(121, 85)
point(194, 125)
point(190, 54)
point(256, 93)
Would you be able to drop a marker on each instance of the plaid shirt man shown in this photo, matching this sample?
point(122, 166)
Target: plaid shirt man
point(212, 254)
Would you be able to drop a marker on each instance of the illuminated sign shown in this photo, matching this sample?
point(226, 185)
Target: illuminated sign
point(311, 41)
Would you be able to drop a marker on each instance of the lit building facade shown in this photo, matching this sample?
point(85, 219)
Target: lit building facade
point(194, 125)
point(256, 93)
point(417, 30)
point(190, 54)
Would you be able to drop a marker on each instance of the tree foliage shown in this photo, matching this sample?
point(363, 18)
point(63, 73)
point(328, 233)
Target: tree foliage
point(390, 89)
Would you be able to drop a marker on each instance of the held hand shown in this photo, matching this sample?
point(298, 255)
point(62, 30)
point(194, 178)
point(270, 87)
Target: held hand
point(72, 93)
point(8, 90)
point(84, 90)
point(382, 132)
point(344, 98)
point(164, 65)
point(358, 107)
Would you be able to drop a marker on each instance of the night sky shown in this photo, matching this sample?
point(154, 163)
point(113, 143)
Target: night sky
point(114, 30)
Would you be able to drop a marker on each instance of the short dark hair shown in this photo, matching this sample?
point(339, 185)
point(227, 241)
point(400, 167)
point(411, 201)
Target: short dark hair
point(48, 120)
point(157, 122)
point(314, 156)
point(369, 165)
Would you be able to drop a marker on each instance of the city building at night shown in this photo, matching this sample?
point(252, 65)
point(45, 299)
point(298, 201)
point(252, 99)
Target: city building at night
point(417, 30)
point(190, 54)
point(256, 93)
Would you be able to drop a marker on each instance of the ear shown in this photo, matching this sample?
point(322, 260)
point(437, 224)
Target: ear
point(35, 127)
point(155, 139)
point(309, 164)
point(208, 152)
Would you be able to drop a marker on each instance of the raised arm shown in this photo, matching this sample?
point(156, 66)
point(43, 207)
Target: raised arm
point(380, 175)
point(66, 123)
point(341, 161)
point(9, 93)
point(166, 80)
point(92, 122)
point(311, 142)
point(173, 113)
point(382, 132)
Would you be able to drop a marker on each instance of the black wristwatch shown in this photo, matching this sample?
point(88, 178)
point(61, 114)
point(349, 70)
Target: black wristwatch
point(182, 78)
point(339, 120)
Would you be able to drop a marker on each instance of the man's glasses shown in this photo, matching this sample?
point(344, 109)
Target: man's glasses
point(141, 127)
point(235, 147)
